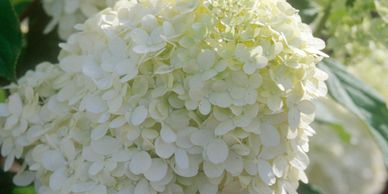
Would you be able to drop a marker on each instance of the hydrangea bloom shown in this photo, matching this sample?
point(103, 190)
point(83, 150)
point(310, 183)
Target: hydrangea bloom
point(67, 13)
point(359, 165)
point(373, 66)
point(168, 96)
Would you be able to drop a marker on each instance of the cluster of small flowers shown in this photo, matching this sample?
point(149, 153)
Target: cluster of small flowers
point(359, 165)
point(67, 13)
point(160, 96)
point(372, 66)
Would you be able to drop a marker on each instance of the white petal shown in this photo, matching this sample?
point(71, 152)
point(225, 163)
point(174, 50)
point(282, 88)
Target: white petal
point(302, 176)
point(217, 151)
point(99, 132)
point(201, 137)
point(4, 110)
point(68, 148)
point(141, 49)
point(212, 170)
point(241, 149)
point(221, 99)
point(89, 154)
point(83, 187)
point(127, 66)
point(15, 105)
point(206, 187)
point(269, 135)
point(234, 164)
point(9, 162)
point(139, 115)
point(133, 134)
point(168, 29)
point(121, 156)
point(204, 107)
point(95, 168)
point(140, 162)
point(275, 103)
point(250, 167)
point(94, 104)
point(7, 147)
point(92, 70)
point(306, 106)
point(118, 122)
point(53, 160)
point(157, 171)
point(279, 166)
point(100, 189)
point(105, 145)
point(142, 187)
point(249, 68)
point(224, 127)
point(206, 59)
point(167, 134)
point(163, 149)
point(57, 179)
point(293, 118)
point(181, 159)
point(300, 161)
point(139, 36)
point(24, 178)
point(265, 172)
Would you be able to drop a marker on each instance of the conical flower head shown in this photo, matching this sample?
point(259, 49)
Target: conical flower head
point(168, 96)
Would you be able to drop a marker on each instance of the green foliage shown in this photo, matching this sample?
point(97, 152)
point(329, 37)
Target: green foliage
point(40, 47)
point(341, 132)
point(360, 99)
point(307, 11)
point(21, 5)
point(2, 95)
point(10, 40)
point(5, 182)
point(24, 190)
point(307, 189)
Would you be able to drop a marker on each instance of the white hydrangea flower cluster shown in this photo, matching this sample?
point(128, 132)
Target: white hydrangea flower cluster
point(359, 165)
point(161, 96)
point(370, 66)
point(67, 13)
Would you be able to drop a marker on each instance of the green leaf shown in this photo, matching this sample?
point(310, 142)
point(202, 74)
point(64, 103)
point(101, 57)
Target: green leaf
point(39, 47)
point(341, 132)
point(360, 99)
point(21, 5)
point(10, 40)
point(307, 189)
point(24, 190)
point(2, 95)
point(338, 129)
point(307, 11)
point(350, 3)
point(6, 184)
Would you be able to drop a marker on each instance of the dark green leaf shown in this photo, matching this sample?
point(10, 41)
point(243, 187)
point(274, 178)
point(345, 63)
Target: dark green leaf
point(6, 184)
point(338, 129)
point(21, 5)
point(307, 189)
point(10, 40)
point(24, 190)
point(307, 12)
point(2, 95)
point(350, 3)
point(341, 132)
point(360, 99)
point(40, 47)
